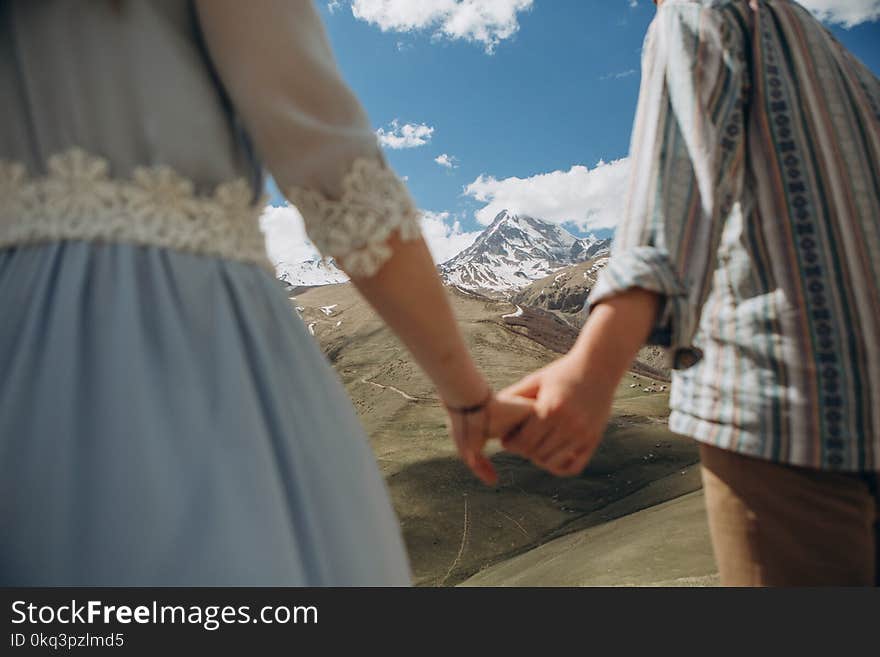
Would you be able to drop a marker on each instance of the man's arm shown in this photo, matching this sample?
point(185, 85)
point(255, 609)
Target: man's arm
point(686, 161)
point(574, 394)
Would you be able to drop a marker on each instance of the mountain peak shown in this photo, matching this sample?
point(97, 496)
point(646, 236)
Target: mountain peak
point(506, 217)
point(501, 216)
point(516, 249)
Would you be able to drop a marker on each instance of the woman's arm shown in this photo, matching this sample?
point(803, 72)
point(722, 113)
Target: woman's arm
point(408, 295)
point(275, 61)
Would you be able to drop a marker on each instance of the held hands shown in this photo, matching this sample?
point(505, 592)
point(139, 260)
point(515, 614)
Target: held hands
point(569, 416)
point(554, 417)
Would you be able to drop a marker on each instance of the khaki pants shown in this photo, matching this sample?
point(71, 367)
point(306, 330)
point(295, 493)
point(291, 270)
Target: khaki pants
point(777, 525)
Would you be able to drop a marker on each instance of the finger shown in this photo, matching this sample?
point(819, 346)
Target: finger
point(515, 438)
point(563, 456)
point(524, 440)
point(574, 466)
point(484, 470)
point(469, 438)
point(507, 413)
point(482, 467)
point(559, 453)
point(578, 461)
point(479, 464)
point(556, 442)
point(541, 444)
point(526, 387)
point(457, 432)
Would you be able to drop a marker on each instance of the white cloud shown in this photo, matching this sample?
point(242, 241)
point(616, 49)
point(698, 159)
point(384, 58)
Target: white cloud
point(445, 238)
point(287, 242)
point(845, 12)
point(407, 135)
point(286, 239)
point(487, 22)
point(589, 198)
point(334, 5)
point(447, 161)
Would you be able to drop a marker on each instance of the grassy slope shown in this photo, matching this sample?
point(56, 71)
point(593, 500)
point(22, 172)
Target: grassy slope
point(453, 526)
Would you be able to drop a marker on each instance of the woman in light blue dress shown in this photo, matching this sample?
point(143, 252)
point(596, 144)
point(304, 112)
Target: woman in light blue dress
point(165, 419)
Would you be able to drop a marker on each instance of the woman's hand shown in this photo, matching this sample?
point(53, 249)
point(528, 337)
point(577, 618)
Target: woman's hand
point(570, 415)
point(500, 415)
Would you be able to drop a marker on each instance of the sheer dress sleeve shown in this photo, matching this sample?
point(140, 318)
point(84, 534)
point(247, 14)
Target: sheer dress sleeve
point(274, 59)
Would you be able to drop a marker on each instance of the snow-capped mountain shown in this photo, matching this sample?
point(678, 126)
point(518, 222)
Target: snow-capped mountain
point(310, 273)
point(516, 250)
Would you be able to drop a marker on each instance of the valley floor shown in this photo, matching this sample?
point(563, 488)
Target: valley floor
point(603, 527)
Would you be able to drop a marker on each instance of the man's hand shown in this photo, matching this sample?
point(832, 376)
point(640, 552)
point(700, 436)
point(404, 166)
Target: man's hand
point(570, 415)
point(573, 395)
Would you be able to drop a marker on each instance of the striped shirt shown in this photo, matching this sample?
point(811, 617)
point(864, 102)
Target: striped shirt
point(754, 211)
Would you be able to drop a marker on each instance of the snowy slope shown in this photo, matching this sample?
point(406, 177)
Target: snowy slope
point(516, 250)
point(310, 273)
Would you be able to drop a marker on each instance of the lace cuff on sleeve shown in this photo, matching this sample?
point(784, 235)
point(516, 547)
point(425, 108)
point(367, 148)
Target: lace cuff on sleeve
point(355, 228)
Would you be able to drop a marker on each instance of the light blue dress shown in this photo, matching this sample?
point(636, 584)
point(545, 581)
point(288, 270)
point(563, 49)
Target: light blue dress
point(165, 417)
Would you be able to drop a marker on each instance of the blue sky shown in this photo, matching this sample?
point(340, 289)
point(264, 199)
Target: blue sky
point(529, 88)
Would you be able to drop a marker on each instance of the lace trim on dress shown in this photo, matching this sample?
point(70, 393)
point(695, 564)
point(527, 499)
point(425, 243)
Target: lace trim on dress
point(355, 228)
point(78, 200)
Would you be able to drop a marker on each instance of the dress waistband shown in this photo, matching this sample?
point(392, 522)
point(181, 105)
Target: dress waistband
point(78, 200)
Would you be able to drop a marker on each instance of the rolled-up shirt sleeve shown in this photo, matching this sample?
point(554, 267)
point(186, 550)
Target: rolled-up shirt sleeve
point(274, 60)
point(686, 160)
